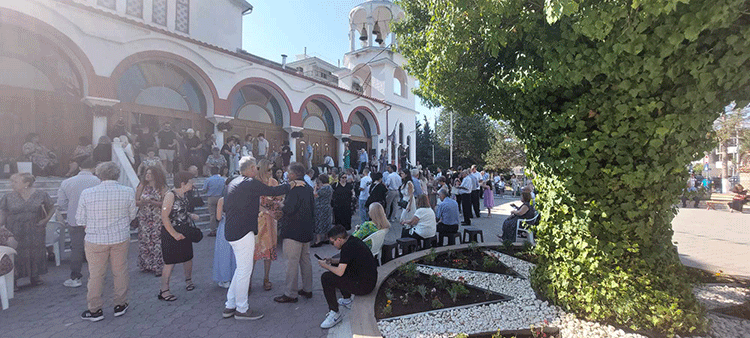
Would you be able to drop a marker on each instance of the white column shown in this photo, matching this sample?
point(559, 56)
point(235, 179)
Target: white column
point(101, 109)
point(293, 141)
point(216, 119)
point(370, 37)
point(352, 39)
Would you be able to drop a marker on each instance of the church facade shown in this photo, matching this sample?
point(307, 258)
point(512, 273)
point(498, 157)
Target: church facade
point(72, 68)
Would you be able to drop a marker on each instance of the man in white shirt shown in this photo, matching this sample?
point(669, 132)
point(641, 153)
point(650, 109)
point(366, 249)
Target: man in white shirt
point(391, 199)
point(467, 185)
point(106, 211)
point(364, 193)
point(476, 193)
point(262, 147)
point(67, 200)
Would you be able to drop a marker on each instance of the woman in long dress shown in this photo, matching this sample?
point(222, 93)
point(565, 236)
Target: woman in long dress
point(268, 214)
point(342, 202)
point(175, 248)
point(407, 196)
point(149, 197)
point(25, 211)
point(347, 156)
point(224, 261)
point(323, 194)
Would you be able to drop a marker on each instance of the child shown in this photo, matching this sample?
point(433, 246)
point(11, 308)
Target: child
point(489, 198)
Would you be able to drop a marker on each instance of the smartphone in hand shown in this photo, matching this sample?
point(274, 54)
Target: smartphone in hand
point(318, 257)
point(514, 205)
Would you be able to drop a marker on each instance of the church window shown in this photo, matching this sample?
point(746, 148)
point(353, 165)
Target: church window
point(159, 16)
point(182, 16)
point(134, 8)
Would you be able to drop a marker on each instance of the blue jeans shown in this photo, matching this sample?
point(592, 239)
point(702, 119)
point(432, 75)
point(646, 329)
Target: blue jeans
point(363, 216)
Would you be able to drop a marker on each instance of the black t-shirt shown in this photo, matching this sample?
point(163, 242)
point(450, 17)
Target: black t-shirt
point(360, 264)
point(145, 141)
point(192, 142)
point(166, 138)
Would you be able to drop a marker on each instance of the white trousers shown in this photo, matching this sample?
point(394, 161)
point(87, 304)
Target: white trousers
point(244, 249)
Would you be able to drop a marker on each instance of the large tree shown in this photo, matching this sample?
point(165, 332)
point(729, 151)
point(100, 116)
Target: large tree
point(472, 136)
point(505, 152)
point(611, 99)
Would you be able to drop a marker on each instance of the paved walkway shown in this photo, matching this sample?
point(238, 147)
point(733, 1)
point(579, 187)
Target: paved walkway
point(713, 240)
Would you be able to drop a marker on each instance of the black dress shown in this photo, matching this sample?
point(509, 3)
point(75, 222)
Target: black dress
point(341, 202)
point(172, 250)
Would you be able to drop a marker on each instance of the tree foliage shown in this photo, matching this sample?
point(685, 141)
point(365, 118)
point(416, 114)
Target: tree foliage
point(610, 99)
point(506, 152)
point(472, 137)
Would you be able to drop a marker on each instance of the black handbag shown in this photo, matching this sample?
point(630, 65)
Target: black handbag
point(195, 199)
point(190, 231)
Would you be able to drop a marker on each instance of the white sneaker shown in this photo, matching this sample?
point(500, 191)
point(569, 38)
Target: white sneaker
point(345, 302)
point(332, 319)
point(73, 283)
point(224, 284)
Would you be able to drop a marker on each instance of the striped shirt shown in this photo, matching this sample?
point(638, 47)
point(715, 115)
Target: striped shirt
point(106, 211)
point(71, 189)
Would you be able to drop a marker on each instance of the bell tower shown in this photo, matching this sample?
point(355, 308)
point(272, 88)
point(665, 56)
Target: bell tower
point(374, 68)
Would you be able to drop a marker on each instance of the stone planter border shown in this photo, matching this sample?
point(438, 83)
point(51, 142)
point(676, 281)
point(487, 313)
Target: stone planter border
point(362, 315)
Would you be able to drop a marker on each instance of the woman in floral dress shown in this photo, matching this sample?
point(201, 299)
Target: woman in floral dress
point(149, 198)
point(269, 213)
point(323, 194)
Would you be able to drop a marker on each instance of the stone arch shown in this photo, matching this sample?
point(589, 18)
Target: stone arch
point(399, 75)
point(367, 114)
point(196, 73)
point(271, 89)
point(81, 62)
point(323, 101)
point(363, 72)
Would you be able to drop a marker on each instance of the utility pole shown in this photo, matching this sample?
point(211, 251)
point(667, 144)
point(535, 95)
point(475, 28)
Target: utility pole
point(451, 139)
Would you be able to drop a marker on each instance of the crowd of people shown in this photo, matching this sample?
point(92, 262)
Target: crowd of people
point(265, 202)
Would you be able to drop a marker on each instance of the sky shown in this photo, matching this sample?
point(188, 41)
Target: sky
point(278, 27)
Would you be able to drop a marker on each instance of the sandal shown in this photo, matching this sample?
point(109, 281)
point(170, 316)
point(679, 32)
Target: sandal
point(267, 285)
point(190, 286)
point(168, 298)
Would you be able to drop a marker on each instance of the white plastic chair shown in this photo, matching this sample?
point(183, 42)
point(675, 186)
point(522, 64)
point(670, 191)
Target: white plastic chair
point(377, 238)
point(7, 280)
point(51, 239)
point(529, 233)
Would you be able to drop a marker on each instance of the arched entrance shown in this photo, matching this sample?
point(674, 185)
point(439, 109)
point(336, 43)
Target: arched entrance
point(364, 131)
point(40, 91)
point(320, 121)
point(153, 92)
point(259, 108)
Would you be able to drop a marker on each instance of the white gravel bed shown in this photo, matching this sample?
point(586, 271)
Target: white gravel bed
point(524, 310)
point(714, 296)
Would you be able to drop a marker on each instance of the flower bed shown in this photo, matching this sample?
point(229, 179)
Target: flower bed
point(408, 291)
point(469, 259)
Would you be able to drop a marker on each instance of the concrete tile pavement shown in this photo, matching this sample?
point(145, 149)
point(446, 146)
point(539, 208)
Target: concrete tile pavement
point(52, 310)
point(708, 239)
point(713, 240)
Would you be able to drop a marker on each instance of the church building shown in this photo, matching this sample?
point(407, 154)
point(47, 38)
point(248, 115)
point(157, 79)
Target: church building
point(73, 68)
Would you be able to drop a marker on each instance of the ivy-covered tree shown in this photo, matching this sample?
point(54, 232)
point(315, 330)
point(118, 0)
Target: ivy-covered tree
point(611, 100)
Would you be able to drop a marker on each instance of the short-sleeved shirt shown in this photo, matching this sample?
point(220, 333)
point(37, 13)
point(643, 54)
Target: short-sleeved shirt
point(427, 225)
point(166, 138)
point(360, 264)
point(364, 183)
